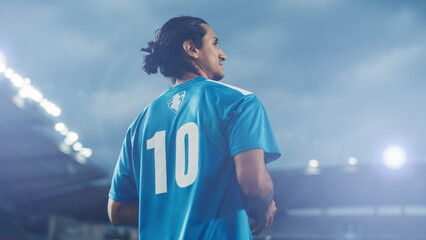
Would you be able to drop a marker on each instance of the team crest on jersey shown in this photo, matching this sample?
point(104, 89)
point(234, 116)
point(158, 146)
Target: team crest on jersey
point(175, 103)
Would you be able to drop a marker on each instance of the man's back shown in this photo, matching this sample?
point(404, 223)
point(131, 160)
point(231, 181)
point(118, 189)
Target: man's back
point(198, 150)
point(180, 149)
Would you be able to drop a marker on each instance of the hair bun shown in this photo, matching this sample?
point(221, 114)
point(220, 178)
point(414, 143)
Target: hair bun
point(152, 60)
point(151, 47)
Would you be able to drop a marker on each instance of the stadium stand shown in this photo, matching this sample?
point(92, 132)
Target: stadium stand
point(47, 193)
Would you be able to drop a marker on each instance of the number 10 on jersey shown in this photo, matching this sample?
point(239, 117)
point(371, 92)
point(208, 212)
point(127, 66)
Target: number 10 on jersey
point(158, 143)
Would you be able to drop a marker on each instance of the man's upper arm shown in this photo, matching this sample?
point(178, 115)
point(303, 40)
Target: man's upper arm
point(123, 184)
point(123, 214)
point(248, 128)
point(253, 177)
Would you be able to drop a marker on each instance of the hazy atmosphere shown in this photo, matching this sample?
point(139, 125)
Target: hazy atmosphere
point(338, 79)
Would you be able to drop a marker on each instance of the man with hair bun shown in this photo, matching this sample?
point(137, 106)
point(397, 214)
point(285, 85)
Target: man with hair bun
point(192, 165)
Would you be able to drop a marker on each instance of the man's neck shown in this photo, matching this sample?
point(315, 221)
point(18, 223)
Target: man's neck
point(188, 76)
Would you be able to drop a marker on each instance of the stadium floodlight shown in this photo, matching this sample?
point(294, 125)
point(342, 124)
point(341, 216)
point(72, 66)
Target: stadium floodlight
point(50, 107)
point(34, 94)
point(60, 126)
point(68, 142)
point(313, 163)
point(72, 137)
point(56, 111)
point(64, 132)
point(86, 152)
point(23, 93)
point(394, 157)
point(45, 103)
point(26, 90)
point(8, 73)
point(17, 80)
point(77, 146)
point(312, 168)
point(352, 161)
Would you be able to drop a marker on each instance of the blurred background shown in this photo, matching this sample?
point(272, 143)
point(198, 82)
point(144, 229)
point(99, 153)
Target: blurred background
point(343, 83)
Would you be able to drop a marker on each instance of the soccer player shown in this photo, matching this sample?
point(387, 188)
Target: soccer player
point(192, 165)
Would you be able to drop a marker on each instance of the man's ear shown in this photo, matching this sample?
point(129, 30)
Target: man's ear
point(190, 49)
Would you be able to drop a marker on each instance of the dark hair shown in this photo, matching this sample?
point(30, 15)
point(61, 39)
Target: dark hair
point(167, 53)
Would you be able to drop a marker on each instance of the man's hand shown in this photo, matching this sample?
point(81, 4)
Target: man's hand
point(262, 218)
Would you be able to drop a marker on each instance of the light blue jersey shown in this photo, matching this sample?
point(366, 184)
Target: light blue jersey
point(177, 161)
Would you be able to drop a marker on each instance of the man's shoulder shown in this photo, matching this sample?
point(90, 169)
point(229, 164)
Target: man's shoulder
point(227, 88)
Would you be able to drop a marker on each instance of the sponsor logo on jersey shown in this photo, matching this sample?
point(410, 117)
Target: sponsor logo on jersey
point(175, 103)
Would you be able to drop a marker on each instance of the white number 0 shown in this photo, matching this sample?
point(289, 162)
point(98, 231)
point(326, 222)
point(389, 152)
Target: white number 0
point(158, 143)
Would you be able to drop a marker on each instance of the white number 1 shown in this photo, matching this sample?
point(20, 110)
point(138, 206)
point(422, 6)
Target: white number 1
point(158, 143)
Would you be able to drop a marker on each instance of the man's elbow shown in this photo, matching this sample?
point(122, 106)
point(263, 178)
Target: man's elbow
point(255, 183)
point(113, 213)
point(113, 218)
point(118, 219)
point(258, 192)
point(122, 213)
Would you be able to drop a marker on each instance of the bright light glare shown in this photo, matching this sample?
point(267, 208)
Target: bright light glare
point(86, 152)
point(313, 163)
point(394, 157)
point(8, 73)
point(64, 132)
point(45, 103)
point(30, 92)
point(17, 80)
point(68, 142)
point(2, 68)
point(55, 111)
point(23, 93)
point(352, 161)
point(34, 94)
point(60, 126)
point(77, 146)
point(50, 107)
point(72, 136)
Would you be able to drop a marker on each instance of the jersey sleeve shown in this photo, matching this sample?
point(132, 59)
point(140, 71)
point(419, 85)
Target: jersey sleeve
point(249, 128)
point(123, 185)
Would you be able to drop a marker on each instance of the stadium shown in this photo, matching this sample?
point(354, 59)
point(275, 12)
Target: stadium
point(50, 191)
point(347, 114)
